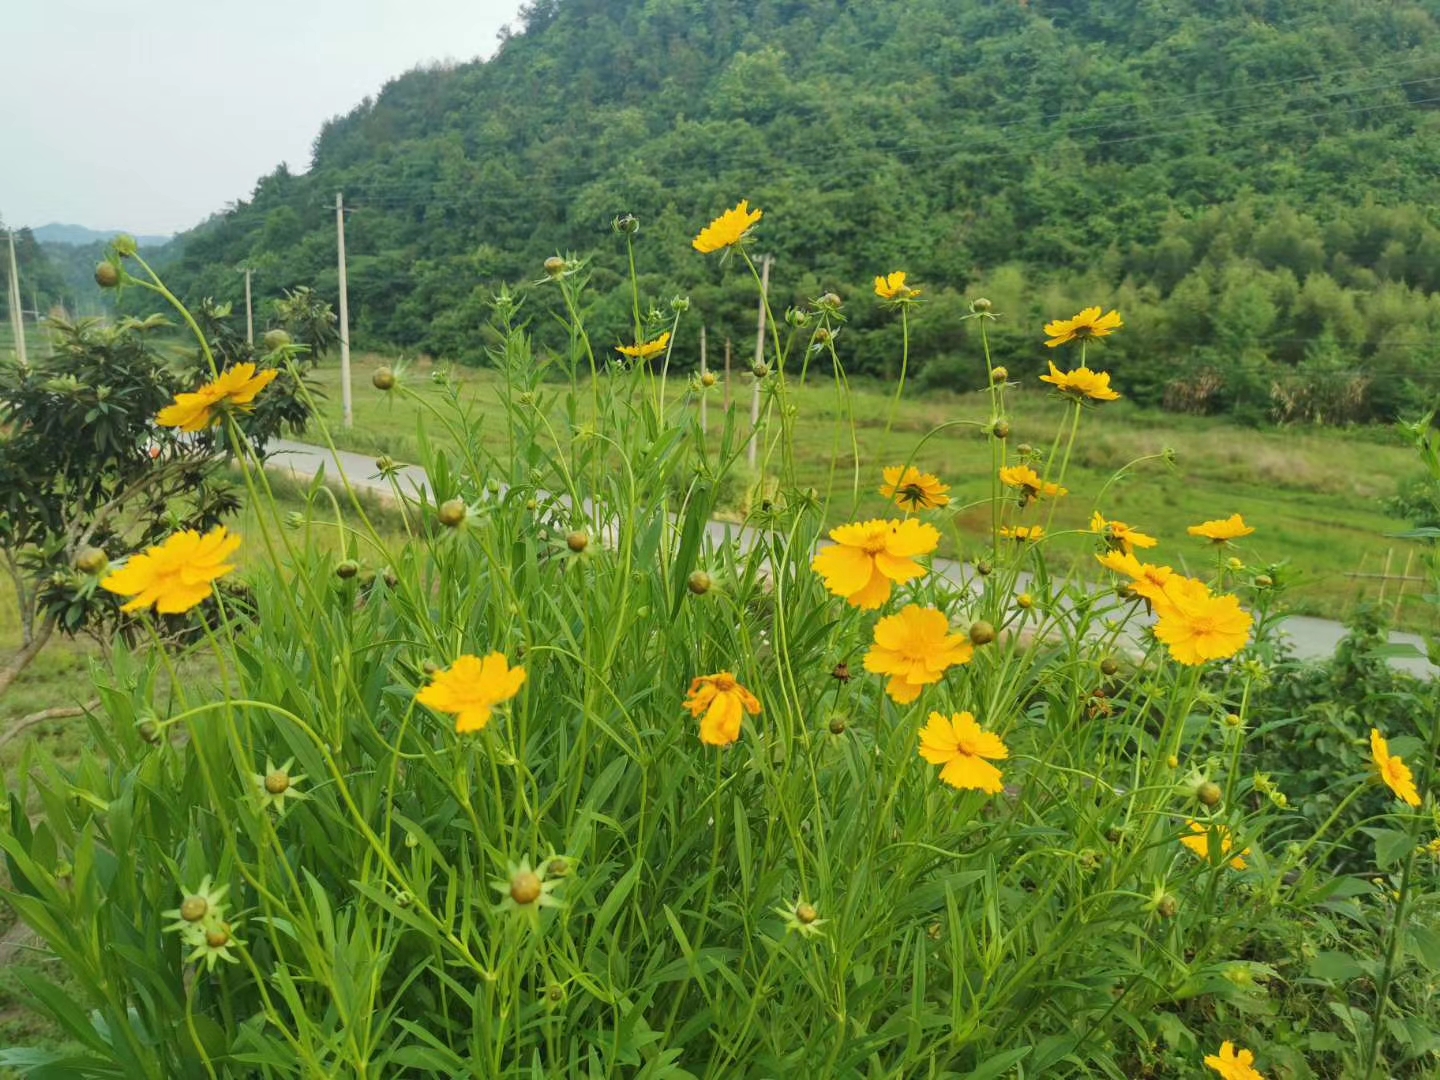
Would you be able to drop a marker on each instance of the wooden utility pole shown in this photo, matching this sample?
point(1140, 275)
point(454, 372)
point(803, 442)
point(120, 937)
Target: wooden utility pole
point(249, 312)
point(704, 417)
point(759, 355)
point(346, 408)
point(17, 317)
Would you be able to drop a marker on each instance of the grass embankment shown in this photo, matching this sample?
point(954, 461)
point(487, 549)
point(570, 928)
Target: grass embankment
point(1315, 493)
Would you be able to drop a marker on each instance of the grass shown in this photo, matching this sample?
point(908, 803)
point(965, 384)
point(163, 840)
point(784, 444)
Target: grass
point(1314, 494)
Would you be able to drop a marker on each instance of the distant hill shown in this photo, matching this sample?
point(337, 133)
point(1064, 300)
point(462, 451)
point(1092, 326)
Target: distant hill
point(79, 235)
point(1252, 182)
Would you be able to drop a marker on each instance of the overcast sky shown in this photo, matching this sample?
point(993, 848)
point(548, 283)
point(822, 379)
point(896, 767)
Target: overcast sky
point(148, 115)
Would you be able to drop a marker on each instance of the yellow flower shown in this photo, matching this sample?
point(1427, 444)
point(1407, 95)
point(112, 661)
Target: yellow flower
point(867, 556)
point(1198, 626)
point(236, 387)
point(1199, 843)
point(1028, 481)
point(471, 688)
point(1081, 383)
point(1119, 535)
point(893, 287)
point(962, 746)
point(1393, 770)
point(914, 491)
point(1222, 529)
point(1023, 533)
point(915, 648)
point(1232, 1065)
point(718, 701)
point(728, 229)
point(1088, 324)
point(177, 575)
point(1151, 583)
point(647, 349)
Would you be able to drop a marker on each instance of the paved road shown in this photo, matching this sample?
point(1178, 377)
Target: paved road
point(1309, 637)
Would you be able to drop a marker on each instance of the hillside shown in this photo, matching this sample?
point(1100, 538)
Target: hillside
point(1251, 182)
point(79, 235)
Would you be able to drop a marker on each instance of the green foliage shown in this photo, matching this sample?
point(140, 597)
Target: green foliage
point(1249, 184)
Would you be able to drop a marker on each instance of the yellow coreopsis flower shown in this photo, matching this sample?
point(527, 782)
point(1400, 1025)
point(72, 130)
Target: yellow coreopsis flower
point(1023, 533)
point(719, 703)
point(1198, 627)
point(1028, 481)
point(915, 648)
point(868, 556)
point(728, 229)
point(1222, 530)
point(176, 575)
point(471, 688)
point(645, 350)
point(1081, 383)
point(962, 747)
point(1233, 1065)
point(914, 490)
point(234, 388)
point(1199, 843)
point(893, 287)
point(1088, 324)
point(1393, 770)
point(1119, 535)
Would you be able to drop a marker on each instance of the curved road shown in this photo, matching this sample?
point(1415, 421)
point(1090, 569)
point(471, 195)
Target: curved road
point(1310, 638)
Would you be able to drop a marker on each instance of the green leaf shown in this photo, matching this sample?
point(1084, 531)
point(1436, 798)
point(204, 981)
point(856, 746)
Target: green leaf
point(996, 1065)
point(1335, 967)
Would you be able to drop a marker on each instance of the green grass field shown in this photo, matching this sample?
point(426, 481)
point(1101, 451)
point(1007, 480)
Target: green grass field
point(1313, 494)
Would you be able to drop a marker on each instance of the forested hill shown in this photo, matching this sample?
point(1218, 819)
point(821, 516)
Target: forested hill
point(1253, 182)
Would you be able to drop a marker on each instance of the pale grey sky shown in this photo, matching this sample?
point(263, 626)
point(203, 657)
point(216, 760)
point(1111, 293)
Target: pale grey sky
point(149, 115)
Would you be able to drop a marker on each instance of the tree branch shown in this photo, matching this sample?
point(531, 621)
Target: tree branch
point(61, 712)
point(20, 660)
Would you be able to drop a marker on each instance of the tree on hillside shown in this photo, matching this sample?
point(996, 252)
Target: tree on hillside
point(85, 473)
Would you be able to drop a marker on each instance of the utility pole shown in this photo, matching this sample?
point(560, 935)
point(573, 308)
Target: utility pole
point(704, 419)
point(759, 355)
point(249, 312)
point(17, 317)
point(347, 410)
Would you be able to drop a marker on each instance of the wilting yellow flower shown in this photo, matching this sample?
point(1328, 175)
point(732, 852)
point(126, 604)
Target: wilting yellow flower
point(1393, 770)
point(1199, 843)
point(1198, 626)
point(893, 287)
point(914, 491)
point(1023, 533)
point(915, 648)
point(1081, 383)
point(1232, 1065)
point(728, 229)
point(718, 702)
point(176, 575)
point(1119, 535)
point(961, 745)
point(1088, 324)
point(646, 350)
point(867, 556)
point(236, 387)
point(1028, 481)
point(471, 688)
point(1222, 529)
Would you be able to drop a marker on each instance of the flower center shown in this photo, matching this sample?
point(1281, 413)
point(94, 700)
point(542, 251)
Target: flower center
point(724, 683)
point(525, 888)
point(913, 493)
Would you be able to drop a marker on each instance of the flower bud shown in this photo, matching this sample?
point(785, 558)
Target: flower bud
point(149, 731)
point(708, 379)
point(698, 582)
point(1233, 720)
point(679, 304)
point(347, 569)
point(525, 888)
point(1025, 450)
point(830, 300)
point(980, 304)
point(981, 633)
point(294, 520)
point(125, 246)
point(194, 908)
point(555, 266)
point(91, 560)
point(1109, 666)
point(1234, 564)
point(275, 340)
point(984, 568)
point(219, 937)
point(760, 369)
point(107, 275)
point(383, 379)
point(452, 513)
point(999, 375)
point(559, 866)
point(1209, 793)
point(390, 577)
point(837, 725)
point(795, 317)
point(555, 994)
point(626, 224)
point(1000, 429)
point(577, 541)
point(1172, 761)
point(277, 782)
point(806, 914)
point(1263, 581)
point(1168, 906)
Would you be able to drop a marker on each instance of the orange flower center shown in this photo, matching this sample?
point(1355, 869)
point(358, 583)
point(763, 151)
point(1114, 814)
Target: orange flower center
point(724, 683)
